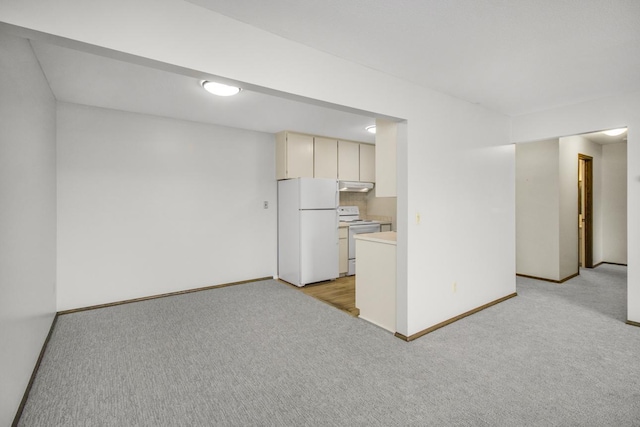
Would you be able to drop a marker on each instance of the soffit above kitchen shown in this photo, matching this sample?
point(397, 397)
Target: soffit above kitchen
point(514, 57)
point(89, 79)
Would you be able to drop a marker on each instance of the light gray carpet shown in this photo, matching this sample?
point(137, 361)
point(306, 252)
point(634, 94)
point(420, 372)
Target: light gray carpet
point(266, 354)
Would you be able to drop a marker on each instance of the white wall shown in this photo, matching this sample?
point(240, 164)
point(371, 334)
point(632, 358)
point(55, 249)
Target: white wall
point(148, 205)
point(27, 218)
point(537, 209)
point(457, 166)
point(547, 205)
point(606, 113)
point(570, 147)
point(461, 180)
point(614, 203)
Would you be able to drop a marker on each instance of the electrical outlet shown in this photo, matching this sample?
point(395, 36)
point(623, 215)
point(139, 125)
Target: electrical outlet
point(454, 287)
point(266, 205)
point(417, 217)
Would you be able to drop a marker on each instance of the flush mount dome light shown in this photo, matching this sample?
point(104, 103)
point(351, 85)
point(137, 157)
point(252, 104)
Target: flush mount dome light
point(371, 129)
point(220, 89)
point(615, 132)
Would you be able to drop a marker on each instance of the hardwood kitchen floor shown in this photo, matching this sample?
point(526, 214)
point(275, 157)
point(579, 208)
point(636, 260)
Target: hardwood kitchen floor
point(340, 293)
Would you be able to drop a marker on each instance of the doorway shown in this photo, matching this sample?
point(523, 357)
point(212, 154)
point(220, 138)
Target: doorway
point(585, 211)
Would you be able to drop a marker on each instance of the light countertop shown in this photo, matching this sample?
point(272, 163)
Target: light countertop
point(346, 224)
point(386, 237)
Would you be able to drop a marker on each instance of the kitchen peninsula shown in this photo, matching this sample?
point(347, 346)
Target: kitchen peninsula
point(376, 278)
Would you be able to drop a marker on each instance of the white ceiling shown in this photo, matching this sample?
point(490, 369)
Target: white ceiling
point(514, 57)
point(602, 139)
point(510, 56)
point(89, 79)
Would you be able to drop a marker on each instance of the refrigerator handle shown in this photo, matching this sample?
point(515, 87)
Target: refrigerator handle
point(337, 227)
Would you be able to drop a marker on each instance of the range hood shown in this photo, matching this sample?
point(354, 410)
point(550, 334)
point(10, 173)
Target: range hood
point(356, 186)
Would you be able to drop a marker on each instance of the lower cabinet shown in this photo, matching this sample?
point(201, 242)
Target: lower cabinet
point(343, 257)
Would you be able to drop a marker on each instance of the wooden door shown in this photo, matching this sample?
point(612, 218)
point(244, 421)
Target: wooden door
point(585, 210)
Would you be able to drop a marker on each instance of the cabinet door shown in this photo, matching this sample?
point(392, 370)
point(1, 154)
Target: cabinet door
point(299, 156)
point(325, 158)
point(281, 155)
point(386, 136)
point(367, 163)
point(348, 161)
point(343, 257)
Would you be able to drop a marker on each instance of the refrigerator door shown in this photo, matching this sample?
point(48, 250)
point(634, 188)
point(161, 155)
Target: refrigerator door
point(318, 193)
point(318, 246)
point(288, 232)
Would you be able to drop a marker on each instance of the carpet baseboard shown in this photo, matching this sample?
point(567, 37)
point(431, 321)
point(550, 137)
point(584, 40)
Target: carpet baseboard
point(169, 294)
point(632, 323)
point(23, 402)
point(453, 319)
point(610, 263)
point(549, 280)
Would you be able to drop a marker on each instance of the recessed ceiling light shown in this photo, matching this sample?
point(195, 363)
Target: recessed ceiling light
point(371, 129)
point(220, 89)
point(615, 132)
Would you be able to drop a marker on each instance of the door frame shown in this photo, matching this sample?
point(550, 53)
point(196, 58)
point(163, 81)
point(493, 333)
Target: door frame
point(587, 182)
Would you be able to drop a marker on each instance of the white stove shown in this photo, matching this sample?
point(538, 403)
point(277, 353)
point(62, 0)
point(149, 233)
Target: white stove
point(351, 215)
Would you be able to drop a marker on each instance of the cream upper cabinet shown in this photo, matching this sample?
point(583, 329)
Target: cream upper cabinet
point(348, 161)
point(386, 136)
point(299, 155)
point(294, 155)
point(325, 159)
point(367, 163)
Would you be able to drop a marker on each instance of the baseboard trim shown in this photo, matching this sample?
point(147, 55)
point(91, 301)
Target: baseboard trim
point(23, 402)
point(453, 319)
point(610, 263)
point(632, 323)
point(549, 280)
point(169, 294)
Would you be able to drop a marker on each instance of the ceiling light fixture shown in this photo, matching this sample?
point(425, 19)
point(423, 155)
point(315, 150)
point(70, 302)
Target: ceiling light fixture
point(371, 129)
point(220, 89)
point(615, 132)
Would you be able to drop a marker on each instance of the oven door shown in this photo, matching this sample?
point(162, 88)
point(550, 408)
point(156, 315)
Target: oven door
point(359, 229)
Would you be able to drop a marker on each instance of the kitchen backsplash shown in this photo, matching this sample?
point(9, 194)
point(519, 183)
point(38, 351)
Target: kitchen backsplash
point(360, 200)
point(354, 199)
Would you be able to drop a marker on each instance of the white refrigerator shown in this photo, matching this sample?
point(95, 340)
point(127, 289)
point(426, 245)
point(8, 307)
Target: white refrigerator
point(307, 230)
